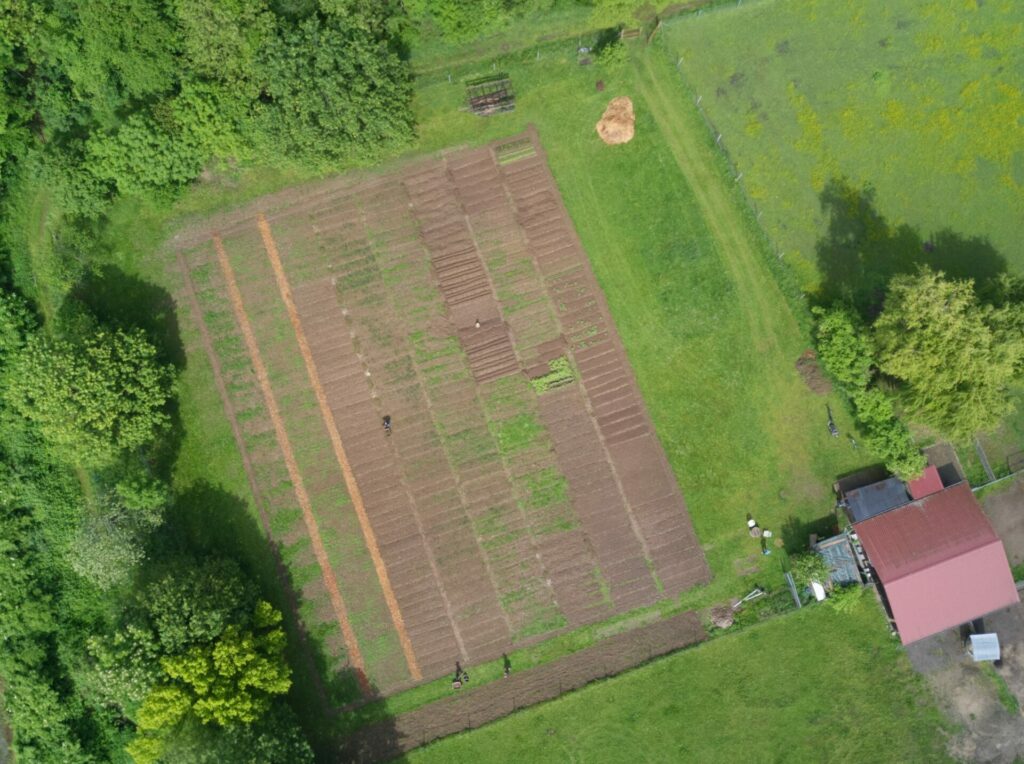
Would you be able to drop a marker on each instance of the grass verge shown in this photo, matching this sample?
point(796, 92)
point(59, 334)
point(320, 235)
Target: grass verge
point(813, 686)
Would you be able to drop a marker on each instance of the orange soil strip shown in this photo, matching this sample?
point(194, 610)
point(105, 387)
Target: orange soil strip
point(355, 657)
point(339, 450)
point(236, 431)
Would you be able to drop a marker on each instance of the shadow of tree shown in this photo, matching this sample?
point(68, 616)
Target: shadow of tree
point(862, 251)
point(112, 298)
point(207, 518)
point(796, 532)
point(124, 301)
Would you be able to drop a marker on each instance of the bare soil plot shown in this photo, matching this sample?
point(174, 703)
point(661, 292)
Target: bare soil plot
point(522, 490)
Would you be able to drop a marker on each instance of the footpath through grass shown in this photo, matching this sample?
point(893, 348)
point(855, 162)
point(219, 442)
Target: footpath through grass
point(813, 686)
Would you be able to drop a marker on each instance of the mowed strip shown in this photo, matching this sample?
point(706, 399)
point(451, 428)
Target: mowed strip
point(339, 449)
point(337, 603)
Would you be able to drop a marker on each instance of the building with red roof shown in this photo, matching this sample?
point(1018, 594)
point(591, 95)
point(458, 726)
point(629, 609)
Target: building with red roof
point(936, 557)
point(927, 484)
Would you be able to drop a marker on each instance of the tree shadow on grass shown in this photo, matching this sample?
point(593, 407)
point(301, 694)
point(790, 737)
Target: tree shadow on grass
point(124, 301)
point(796, 533)
point(862, 251)
point(205, 518)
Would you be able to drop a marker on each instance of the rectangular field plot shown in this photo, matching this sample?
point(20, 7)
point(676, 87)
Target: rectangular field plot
point(520, 490)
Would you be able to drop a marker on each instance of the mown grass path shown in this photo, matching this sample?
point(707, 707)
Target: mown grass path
point(770, 321)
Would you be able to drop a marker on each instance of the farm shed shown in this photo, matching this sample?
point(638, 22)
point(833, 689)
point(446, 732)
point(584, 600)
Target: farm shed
point(938, 561)
point(841, 558)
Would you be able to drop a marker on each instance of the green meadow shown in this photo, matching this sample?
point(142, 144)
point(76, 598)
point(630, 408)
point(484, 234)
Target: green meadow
point(913, 106)
point(813, 686)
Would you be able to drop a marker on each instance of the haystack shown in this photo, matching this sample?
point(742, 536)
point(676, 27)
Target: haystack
point(616, 125)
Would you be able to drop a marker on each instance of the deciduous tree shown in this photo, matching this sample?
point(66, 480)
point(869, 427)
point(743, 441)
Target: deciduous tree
point(93, 400)
point(954, 355)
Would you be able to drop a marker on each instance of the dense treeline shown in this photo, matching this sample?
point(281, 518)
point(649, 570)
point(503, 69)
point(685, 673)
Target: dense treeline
point(117, 640)
point(106, 96)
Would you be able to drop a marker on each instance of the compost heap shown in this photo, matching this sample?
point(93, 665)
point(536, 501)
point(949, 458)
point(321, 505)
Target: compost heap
point(616, 125)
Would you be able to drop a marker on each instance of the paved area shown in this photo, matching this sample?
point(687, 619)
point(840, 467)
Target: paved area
point(987, 731)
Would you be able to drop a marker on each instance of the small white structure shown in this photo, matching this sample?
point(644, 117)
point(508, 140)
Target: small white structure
point(985, 647)
point(819, 591)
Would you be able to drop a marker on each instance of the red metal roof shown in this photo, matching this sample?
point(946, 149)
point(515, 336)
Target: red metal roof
point(927, 484)
point(940, 562)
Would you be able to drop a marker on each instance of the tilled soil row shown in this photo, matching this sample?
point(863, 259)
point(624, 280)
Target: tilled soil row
point(474, 707)
point(426, 387)
point(655, 504)
point(257, 442)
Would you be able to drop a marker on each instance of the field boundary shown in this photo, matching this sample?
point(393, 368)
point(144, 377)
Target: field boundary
point(354, 656)
point(475, 707)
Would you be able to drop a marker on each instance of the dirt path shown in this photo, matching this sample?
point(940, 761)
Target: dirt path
point(339, 449)
point(476, 706)
point(354, 655)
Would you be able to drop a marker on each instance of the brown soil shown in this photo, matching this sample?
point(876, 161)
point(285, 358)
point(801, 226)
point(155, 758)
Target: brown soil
point(284, 443)
point(474, 707)
point(617, 123)
point(811, 373)
point(722, 616)
point(383, 280)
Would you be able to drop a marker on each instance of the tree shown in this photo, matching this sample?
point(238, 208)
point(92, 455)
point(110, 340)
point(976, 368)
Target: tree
point(111, 538)
point(843, 347)
point(195, 601)
point(16, 324)
point(47, 720)
point(94, 400)
point(196, 663)
point(276, 739)
point(847, 355)
point(954, 355)
point(333, 90)
point(233, 679)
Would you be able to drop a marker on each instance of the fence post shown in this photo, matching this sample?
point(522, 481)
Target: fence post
point(792, 590)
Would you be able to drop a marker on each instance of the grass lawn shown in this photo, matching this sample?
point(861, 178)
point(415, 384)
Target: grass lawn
point(813, 686)
point(920, 100)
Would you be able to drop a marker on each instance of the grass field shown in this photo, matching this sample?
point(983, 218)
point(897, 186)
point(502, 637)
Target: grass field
point(919, 101)
point(813, 686)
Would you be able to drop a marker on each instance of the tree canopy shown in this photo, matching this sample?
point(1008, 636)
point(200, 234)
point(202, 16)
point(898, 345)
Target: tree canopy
point(95, 399)
point(847, 353)
point(129, 96)
point(198, 648)
point(954, 355)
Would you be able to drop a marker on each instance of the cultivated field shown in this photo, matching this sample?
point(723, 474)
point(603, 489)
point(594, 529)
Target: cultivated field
point(522, 491)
